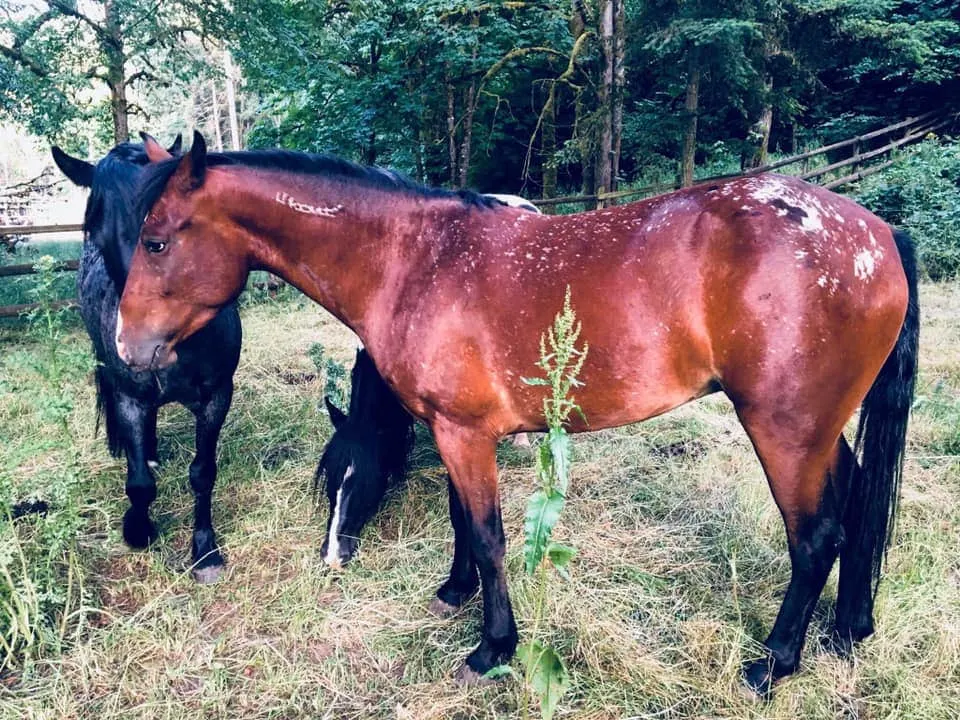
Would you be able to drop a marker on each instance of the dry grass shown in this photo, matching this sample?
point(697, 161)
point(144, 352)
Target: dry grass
point(681, 568)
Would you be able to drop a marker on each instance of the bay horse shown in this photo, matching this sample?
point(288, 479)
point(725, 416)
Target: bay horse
point(368, 451)
point(369, 448)
point(795, 302)
point(128, 399)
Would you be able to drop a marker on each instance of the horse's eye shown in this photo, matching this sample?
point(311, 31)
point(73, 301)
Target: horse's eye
point(155, 246)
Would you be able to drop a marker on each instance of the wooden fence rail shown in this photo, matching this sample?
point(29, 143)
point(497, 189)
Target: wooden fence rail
point(914, 129)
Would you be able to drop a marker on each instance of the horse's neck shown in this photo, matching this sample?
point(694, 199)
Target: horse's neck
point(333, 243)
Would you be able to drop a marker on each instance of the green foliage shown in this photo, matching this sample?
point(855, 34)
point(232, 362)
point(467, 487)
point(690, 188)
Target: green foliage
point(546, 674)
point(55, 56)
point(561, 362)
point(921, 194)
point(40, 580)
point(335, 374)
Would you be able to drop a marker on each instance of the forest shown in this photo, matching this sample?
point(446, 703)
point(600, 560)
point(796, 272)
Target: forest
point(537, 97)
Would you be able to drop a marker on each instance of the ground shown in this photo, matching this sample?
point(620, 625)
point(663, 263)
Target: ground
point(681, 564)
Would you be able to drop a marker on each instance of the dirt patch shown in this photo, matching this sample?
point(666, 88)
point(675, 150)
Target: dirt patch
point(682, 449)
point(293, 377)
point(219, 616)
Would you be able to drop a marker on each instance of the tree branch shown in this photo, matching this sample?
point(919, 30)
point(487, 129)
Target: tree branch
point(73, 12)
point(25, 61)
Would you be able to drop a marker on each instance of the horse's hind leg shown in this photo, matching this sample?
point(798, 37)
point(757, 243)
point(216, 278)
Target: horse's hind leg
point(207, 560)
point(804, 475)
point(134, 421)
point(464, 580)
point(854, 620)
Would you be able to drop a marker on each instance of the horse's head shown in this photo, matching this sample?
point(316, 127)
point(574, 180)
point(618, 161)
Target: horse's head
point(356, 482)
point(110, 220)
point(369, 447)
point(187, 264)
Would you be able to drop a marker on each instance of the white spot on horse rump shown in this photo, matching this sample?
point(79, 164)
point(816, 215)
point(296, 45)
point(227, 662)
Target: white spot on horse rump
point(800, 254)
point(822, 281)
point(767, 188)
point(811, 221)
point(332, 557)
point(863, 265)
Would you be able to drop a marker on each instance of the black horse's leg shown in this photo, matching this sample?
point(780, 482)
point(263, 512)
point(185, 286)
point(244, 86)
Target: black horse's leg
point(134, 419)
point(463, 581)
point(811, 493)
point(854, 620)
point(150, 437)
point(208, 562)
point(470, 458)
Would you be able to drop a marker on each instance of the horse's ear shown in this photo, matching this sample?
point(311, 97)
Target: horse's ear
point(79, 172)
point(177, 145)
point(337, 416)
point(193, 167)
point(155, 151)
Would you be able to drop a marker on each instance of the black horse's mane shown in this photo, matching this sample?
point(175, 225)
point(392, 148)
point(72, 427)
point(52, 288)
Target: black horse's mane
point(114, 183)
point(157, 175)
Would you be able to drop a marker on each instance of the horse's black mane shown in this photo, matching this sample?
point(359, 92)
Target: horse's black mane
point(158, 174)
point(110, 219)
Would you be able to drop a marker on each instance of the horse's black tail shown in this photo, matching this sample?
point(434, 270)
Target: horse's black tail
point(881, 434)
point(107, 411)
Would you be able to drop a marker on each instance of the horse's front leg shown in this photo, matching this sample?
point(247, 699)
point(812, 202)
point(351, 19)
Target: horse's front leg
point(470, 457)
point(136, 418)
point(207, 560)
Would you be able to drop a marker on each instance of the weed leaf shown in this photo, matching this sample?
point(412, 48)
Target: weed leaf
point(548, 676)
point(543, 512)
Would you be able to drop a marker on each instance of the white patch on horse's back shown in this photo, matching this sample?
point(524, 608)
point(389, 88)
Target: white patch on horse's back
point(766, 188)
point(333, 541)
point(863, 264)
point(811, 221)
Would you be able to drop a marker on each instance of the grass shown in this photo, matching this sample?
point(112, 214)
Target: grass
point(681, 563)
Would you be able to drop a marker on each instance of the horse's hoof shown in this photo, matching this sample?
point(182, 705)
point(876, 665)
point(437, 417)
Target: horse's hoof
point(138, 531)
point(468, 677)
point(207, 575)
point(758, 680)
point(442, 609)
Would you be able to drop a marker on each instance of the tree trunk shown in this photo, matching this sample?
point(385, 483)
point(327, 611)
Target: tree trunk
point(548, 145)
point(603, 177)
point(451, 131)
point(619, 83)
point(469, 109)
point(215, 111)
point(690, 138)
point(116, 75)
point(231, 101)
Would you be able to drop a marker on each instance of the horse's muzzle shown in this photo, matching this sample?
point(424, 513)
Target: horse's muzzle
point(143, 353)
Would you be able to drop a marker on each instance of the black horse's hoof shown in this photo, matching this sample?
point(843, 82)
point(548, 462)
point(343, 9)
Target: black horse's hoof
point(138, 530)
point(759, 677)
point(466, 676)
point(842, 640)
point(208, 568)
point(207, 575)
point(442, 609)
point(455, 596)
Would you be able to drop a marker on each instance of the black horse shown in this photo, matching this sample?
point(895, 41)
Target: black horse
point(368, 450)
point(201, 379)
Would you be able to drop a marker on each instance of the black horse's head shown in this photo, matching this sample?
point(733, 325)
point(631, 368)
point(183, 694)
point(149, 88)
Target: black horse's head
point(369, 448)
point(110, 221)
